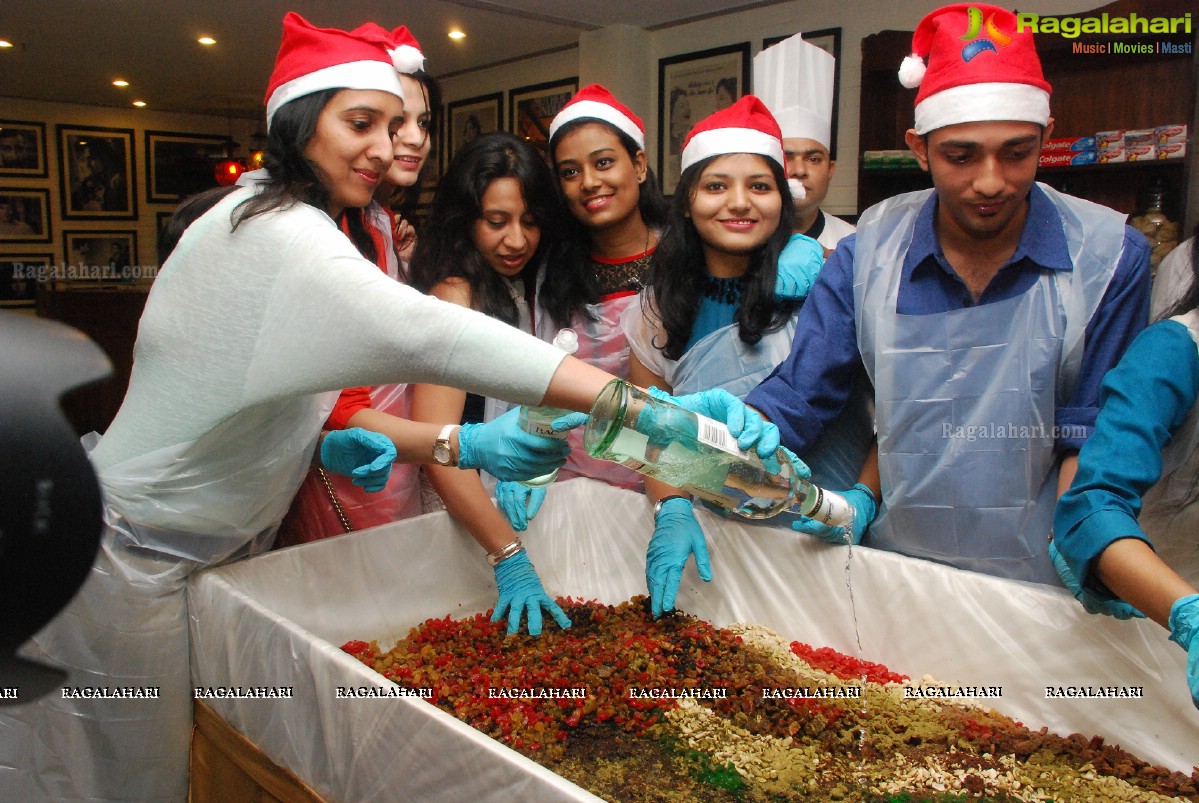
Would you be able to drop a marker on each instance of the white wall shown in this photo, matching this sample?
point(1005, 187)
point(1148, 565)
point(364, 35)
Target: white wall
point(593, 61)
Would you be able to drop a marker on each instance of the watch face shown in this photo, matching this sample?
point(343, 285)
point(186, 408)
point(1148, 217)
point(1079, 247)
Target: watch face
point(441, 452)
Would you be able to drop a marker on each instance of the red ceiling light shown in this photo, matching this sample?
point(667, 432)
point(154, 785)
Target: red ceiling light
point(228, 171)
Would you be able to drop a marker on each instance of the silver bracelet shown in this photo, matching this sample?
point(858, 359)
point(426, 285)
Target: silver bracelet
point(505, 552)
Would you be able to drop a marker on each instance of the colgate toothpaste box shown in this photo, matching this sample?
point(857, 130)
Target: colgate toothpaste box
point(1108, 139)
point(1068, 158)
point(1067, 144)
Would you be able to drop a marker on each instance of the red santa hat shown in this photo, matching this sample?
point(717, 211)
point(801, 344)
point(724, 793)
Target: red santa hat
point(745, 127)
point(597, 103)
point(312, 59)
point(980, 68)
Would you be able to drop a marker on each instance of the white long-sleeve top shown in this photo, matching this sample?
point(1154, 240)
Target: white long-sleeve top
point(243, 331)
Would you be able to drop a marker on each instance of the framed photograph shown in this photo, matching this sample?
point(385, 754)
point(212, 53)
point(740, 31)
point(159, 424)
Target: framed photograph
point(690, 87)
point(24, 215)
point(20, 275)
point(102, 257)
point(531, 109)
point(23, 149)
point(98, 173)
point(828, 40)
point(471, 117)
point(179, 165)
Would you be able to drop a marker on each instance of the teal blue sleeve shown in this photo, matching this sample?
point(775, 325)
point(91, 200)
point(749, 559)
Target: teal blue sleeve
point(1142, 401)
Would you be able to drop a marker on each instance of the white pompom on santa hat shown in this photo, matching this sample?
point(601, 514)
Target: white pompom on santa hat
point(595, 102)
point(312, 59)
point(745, 127)
point(980, 68)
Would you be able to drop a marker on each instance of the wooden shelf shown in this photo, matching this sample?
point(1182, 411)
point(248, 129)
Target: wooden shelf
point(1091, 92)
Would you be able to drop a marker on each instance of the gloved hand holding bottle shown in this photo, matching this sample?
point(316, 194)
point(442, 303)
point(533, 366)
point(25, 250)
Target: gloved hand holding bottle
point(861, 499)
point(520, 591)
point(519, 502)
point(677, 536)
point(744, 422)
point(799, 264)
point(360, 454)
point(1093, 604)
point(1184, 631)
point(504, 450)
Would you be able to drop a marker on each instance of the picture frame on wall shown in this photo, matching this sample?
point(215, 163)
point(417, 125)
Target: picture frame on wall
point(23, 149)
point(531, 109)
point(179, 164)
point(828, 40)
point(690, 87)
point(24, 215)
point(98, 173)
point(105, 257)
point(471, 117)
point(20, 274)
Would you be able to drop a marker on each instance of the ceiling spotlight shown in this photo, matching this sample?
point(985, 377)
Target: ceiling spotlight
point(206, 40)
point(121, 82)
point(139, 103)
point(5, 43)
point(457, 34)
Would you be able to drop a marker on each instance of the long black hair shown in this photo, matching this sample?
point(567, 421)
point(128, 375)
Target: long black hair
point(446, 248)
point(1190, 299)
point(570, 283)
point(678, 274)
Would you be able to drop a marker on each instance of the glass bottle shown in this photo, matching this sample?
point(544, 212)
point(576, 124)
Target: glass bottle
point(699, 455)
point(1161, 232)
point(539, 420)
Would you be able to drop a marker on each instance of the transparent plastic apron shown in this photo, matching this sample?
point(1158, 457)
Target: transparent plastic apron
point(722, 360)
point(965, 400)
point(167, 514)
point(602, 343)
point(1169, 510)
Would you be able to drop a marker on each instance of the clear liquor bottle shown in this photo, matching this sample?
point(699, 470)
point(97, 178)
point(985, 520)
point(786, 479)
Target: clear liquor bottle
point(700, 456)
point(540, 420)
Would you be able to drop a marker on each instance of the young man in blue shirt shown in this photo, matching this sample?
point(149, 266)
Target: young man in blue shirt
point(985, 311)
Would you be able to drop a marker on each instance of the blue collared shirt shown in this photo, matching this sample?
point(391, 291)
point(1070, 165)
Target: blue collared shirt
point(809, 389)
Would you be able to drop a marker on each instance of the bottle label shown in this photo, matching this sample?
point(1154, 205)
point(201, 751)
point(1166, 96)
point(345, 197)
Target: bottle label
point(715, 434)
point(545, 430)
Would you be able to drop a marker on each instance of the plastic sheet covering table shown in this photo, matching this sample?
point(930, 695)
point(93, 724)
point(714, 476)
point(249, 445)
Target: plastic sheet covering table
point(278, 620)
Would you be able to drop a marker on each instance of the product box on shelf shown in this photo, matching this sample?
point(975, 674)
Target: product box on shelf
point(1069, 144)
point(1140, 136)
point(1108, 139)
point(1111, 155)
point(1168, 134)
point(1140, 153)
point(1172, 150)
point(279, 619)
point(1068, 158)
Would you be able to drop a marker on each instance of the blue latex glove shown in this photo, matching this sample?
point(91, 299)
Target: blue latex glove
point(799, 264)
point(521, 593)
point(1093, 604)
point(507, 452)
point(519, 503)
point(360, 454)
point(1184, 631)
point(745, 423)
point(676, 535)
point(864, 507)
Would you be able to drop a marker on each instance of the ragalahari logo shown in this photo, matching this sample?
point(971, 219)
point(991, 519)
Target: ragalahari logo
point(978, 43)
